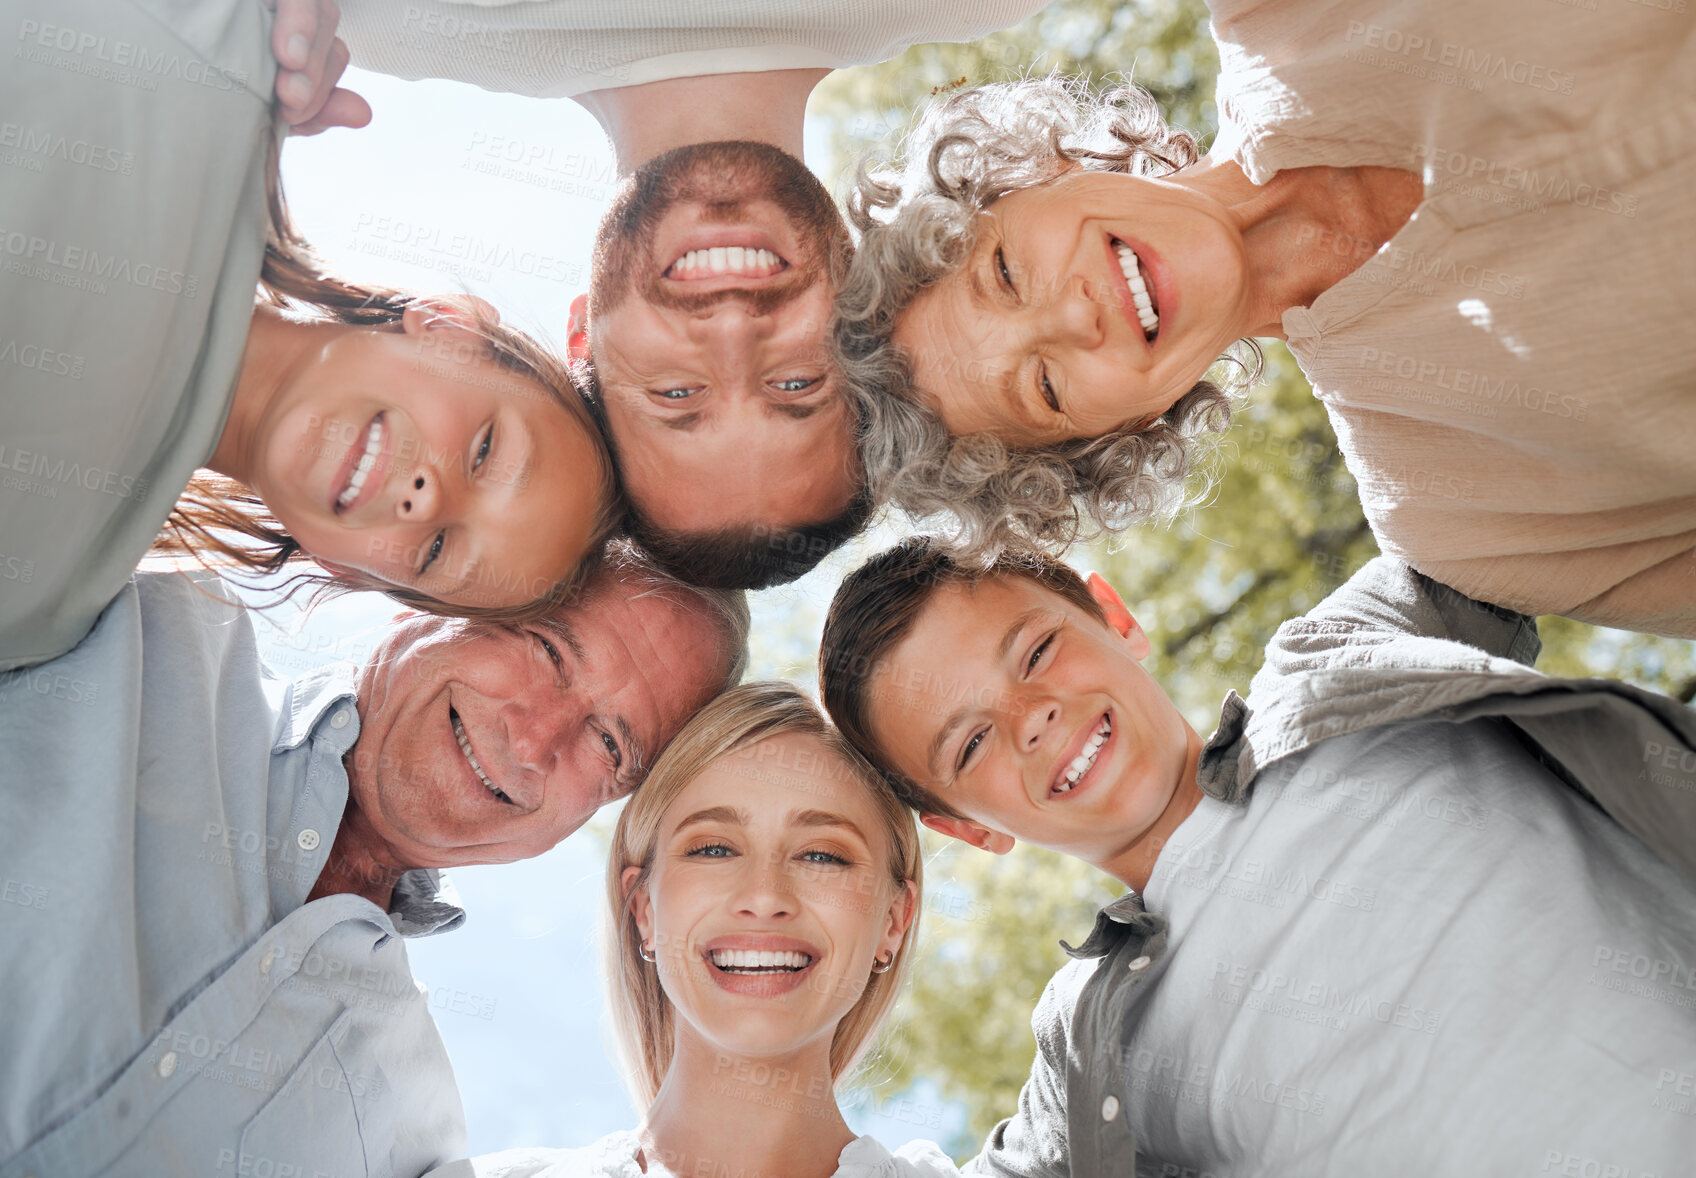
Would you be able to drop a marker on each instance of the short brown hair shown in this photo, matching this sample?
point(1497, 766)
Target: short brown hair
point(875, 608)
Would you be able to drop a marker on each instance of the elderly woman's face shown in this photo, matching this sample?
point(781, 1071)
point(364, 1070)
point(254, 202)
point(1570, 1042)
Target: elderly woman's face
point(770, 897)
point(1085, 303)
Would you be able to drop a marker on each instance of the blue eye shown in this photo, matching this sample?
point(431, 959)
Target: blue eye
point(797, 384)
point(1002, 272)
point(825, 857)
point(709, 851)
point(483, 450)
point(676, 394)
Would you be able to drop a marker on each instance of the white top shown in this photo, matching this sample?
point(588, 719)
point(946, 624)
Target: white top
point(1413, 952)
point(614, 1156)
point(1510, 378)
point(557, 48)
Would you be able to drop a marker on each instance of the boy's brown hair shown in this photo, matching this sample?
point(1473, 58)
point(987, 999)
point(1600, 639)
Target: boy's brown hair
point(875, 608)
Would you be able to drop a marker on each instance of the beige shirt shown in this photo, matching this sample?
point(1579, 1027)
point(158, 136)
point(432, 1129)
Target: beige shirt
point(1512, 378)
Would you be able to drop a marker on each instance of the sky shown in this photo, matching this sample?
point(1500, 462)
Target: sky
point(455, 189)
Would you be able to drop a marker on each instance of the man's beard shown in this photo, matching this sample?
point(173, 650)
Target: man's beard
point(723, 178)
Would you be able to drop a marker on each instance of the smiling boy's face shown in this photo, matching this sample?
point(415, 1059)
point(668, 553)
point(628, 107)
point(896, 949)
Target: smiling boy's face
point(1035, 720)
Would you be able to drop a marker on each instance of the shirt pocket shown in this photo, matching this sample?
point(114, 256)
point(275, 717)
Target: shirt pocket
point(309, 1128)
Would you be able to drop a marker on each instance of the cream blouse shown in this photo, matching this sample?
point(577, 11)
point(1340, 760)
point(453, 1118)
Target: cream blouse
point(1512, 378)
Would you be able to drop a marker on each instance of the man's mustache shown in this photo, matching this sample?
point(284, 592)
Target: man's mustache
point(761, 300)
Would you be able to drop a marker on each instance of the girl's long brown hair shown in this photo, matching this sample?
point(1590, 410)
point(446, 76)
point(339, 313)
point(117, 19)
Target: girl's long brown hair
point(221, 521)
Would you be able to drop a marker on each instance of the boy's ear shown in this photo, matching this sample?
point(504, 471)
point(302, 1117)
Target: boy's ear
point(1118, 615)
point(577, 329)
point(967, 831)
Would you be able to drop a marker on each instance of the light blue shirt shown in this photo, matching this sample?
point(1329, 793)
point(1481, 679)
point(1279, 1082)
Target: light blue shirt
point(173, 1005)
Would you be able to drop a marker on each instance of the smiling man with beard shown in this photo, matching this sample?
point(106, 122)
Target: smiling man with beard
point(209, 873)
point(713, 276)
point(703, 339)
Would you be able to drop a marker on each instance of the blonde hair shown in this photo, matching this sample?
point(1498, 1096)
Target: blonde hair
point(642, 1015)
point(218, 519)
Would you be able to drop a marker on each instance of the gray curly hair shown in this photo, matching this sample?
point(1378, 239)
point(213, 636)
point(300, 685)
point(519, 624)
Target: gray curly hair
point(917, 221)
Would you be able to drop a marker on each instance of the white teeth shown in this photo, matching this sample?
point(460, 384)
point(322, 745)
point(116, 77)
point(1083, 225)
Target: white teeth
point(1086, 757)
point(1139, 290)
point(762, 960)
point(373, 446)
point(732, 259)
point(465, 747)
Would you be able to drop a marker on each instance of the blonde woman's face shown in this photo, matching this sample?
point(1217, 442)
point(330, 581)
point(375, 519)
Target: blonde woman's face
point(770, 898)
point(1037, 337)
point(414, 457)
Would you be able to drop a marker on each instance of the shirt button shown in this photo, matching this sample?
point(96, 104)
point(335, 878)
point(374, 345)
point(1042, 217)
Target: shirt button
point(308, 839)
point(1140, 964)
point(266, 961)
point(167, 1065)
point(1109, 1108)
point(339, 720)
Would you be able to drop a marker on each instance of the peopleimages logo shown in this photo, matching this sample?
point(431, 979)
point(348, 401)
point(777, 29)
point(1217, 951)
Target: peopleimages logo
point(1479, 63)
point(49, 473)
point(51, 145)
point(96, 50)
point(43, 257)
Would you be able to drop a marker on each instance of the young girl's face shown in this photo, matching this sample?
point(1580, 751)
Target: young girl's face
point(413, 456)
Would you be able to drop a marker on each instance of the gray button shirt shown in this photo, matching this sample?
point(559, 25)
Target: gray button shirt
point(1388, 647)
point(173, 1004)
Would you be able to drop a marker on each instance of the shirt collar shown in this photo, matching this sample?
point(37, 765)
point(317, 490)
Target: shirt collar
point(1218, 773)
point(322, 706)
point(1124, 917)
point(425, 903)
point(320, 703)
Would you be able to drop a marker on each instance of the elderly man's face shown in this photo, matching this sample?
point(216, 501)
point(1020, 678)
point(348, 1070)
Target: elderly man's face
point(710, 304)
point(489, 744)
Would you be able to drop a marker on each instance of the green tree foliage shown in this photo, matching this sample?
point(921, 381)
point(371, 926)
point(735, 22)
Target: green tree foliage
point(1281, 527)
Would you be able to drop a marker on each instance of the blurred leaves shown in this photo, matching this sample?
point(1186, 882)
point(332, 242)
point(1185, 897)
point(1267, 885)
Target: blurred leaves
point(1162, 45)
point(1281, 528)
point(989, 941)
